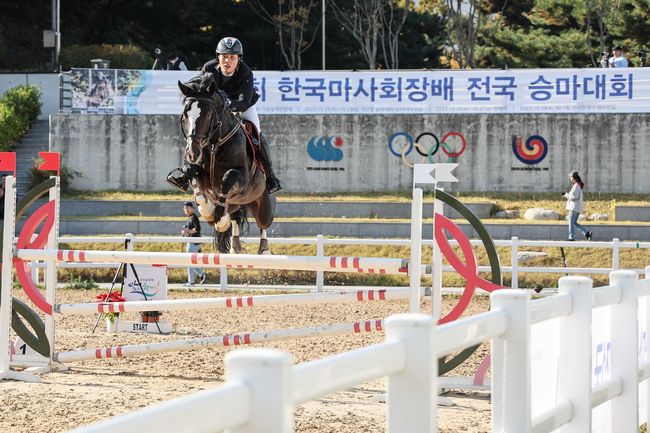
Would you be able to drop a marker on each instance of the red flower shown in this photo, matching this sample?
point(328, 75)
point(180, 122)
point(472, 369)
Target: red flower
point(114, 297)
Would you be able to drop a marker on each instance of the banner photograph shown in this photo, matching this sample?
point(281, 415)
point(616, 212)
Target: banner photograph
point(625, 90)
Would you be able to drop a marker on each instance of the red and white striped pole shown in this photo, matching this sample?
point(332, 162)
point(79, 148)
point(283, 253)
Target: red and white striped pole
point(231, 302)
point(220, 341)
point(366, 265)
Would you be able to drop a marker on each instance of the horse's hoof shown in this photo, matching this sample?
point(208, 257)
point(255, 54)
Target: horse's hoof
point(222, 227)
point(265, 252)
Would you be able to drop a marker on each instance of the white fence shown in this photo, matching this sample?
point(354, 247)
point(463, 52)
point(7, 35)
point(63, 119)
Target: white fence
point(515, 268)
point(262, 387)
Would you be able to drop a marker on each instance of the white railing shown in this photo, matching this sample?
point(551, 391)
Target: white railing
point(320, 242)
point(262, 387)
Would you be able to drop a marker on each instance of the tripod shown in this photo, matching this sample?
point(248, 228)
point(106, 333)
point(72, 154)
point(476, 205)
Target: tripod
point(122, 270)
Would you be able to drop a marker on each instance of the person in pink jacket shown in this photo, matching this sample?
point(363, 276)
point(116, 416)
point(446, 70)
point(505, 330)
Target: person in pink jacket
point(575, 204)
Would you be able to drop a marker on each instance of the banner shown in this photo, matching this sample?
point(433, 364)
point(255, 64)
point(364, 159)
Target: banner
point(595, 90)
point(152, 281)
point(545, 364)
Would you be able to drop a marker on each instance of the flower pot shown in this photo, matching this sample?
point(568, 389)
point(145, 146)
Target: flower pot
point(111, 324)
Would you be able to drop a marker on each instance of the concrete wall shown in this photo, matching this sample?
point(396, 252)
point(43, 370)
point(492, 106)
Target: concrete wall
point(609, 150)
point(48, 83)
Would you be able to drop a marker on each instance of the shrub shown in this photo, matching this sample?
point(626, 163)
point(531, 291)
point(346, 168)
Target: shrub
point(121, 56)
point(26, 101)
point(80, 284)
point(38, 176)
point(19, 107)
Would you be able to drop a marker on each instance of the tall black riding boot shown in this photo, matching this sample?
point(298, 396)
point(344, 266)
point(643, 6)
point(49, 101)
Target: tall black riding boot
point(272, 182)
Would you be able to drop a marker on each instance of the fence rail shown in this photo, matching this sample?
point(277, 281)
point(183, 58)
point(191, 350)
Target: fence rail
point(266, 387)
point(320, 242)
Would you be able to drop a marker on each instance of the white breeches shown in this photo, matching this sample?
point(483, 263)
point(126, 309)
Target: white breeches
point(251, 116)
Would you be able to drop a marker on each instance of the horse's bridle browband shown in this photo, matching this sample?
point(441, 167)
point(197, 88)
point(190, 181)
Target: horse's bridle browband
point(214, 128)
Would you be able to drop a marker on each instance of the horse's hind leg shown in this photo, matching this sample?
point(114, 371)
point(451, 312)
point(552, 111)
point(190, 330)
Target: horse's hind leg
point(263, 211)
point(237, 220)
point(264, 243)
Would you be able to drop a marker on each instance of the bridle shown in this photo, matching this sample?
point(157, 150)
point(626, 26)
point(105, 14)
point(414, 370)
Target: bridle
point(216, 124)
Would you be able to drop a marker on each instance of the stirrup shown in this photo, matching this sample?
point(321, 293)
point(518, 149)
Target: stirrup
point(273, 185)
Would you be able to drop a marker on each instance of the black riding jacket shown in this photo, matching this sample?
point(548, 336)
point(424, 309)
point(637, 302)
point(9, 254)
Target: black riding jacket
point(239, 87)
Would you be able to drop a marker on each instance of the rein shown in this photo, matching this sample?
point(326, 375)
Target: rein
point(216, 123)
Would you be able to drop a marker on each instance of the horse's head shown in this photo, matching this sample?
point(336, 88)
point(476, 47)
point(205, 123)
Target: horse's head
point(202, 113)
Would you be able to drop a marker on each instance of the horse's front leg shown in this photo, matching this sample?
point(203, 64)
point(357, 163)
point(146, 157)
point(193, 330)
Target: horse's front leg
point(233, 180)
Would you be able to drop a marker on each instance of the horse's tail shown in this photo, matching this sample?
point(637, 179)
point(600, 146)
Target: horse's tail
point(241, 216)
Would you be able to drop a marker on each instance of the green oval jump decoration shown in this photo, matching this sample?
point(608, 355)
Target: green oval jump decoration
point(449, 362)
point(19, 310)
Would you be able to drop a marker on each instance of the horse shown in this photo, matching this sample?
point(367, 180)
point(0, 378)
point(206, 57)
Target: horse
point(226, 178)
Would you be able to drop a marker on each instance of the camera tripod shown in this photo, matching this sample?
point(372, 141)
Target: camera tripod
point(122, 270)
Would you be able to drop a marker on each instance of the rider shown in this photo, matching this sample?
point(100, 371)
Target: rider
point(234, 77)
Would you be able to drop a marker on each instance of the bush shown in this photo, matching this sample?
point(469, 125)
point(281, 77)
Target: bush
point(81, 284)
point(38, 176)
point(19, 107)
point(26, 101)
point(121, 56)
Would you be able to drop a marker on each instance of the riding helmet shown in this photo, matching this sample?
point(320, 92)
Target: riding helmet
point(229, 45)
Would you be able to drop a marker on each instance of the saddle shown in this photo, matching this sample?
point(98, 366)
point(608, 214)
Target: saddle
point(254, 140)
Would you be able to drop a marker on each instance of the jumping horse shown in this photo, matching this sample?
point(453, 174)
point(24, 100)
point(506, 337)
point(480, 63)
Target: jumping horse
point(227, 179)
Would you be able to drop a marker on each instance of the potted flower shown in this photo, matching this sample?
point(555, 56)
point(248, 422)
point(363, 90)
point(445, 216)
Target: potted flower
point(111, 318)
point(150, 316)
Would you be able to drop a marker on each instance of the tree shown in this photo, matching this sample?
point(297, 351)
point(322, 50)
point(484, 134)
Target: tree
point(465, 22)
point(363, 19)
point(393, 19)
point(291, 25)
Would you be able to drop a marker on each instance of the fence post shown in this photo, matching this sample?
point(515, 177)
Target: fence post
point(411, 393)
point(223, 278)
point(616, 249)
point(416, 251)
point(511, 364)
point(436, 263)
point(625, 352)
point(128, 241)
point(6, 279)
point(267, 373)
point(646, 343)
point(320, 252)
point(574, 382)
point(514, 262)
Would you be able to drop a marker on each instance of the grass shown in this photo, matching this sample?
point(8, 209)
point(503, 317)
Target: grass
point(595, 202)
point(576, 257)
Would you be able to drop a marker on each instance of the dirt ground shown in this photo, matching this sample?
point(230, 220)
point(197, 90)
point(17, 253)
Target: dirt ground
point(94, 390)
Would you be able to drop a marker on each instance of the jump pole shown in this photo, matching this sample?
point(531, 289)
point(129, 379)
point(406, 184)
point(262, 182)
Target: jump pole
point(365, 326)
point(365, 265)
point(230, 302)
point(416, 251)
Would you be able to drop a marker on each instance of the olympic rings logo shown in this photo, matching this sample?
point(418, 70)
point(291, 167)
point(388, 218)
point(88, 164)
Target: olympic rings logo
point(407, 144)
point(532, 152)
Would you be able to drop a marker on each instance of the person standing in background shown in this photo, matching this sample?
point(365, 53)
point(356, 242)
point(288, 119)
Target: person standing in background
point(193, 230)
point(575, 205)
point(618, 60)
point(175, 63)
